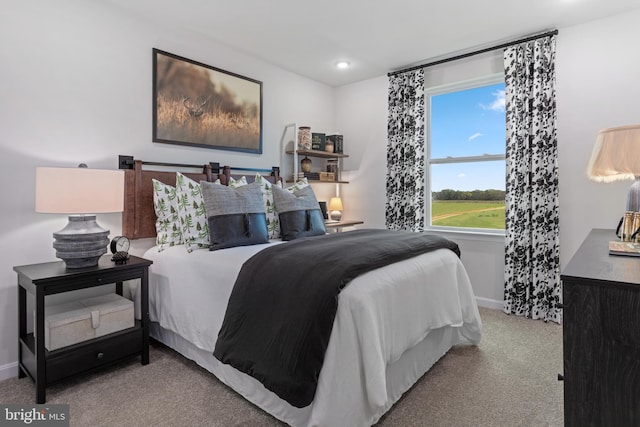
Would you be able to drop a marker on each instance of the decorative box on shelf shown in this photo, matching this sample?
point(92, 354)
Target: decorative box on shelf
point(77, 321)
point(327, 176)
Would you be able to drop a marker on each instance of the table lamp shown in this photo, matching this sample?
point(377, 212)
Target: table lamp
point(616, 157)
point(81, 192)
point(335, 206)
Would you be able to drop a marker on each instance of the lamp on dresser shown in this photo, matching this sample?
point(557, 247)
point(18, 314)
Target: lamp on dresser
point(82, 193)
point(616, 157)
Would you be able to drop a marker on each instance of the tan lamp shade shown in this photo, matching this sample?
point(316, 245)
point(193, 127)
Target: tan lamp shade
point(335, 208)
point(616, 154)
point(335, 204)
point(79, 190)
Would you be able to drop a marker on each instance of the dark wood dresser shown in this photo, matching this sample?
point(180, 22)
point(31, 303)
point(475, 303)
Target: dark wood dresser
point(601, 335)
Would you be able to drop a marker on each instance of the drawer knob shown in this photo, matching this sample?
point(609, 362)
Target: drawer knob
point(100, 355)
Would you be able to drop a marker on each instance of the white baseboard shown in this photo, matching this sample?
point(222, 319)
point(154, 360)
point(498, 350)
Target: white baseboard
point(8, 371)
point(490, 303)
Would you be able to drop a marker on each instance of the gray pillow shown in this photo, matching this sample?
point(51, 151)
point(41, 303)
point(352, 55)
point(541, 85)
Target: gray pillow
point(235, 216)
point(299, 213)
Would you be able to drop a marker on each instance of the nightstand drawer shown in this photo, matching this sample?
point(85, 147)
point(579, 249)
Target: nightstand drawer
point(84, 357)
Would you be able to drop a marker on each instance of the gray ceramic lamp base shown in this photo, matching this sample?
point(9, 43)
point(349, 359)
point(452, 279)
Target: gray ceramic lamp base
point(82, 242)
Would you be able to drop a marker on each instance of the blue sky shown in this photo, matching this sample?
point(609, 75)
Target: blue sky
point(468, 123)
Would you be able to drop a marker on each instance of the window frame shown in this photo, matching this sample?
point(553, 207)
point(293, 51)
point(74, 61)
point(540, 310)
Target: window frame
point(487, 80)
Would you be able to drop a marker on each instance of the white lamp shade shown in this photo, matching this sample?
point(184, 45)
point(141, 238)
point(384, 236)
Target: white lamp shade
point(335, 204)
point(79, 190)
point(616, 154)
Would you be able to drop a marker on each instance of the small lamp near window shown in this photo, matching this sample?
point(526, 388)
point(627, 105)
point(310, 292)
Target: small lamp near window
point(81, 192)
point(616, 157)
point(335, 206)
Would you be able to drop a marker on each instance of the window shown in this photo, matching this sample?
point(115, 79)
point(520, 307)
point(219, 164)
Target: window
point(466, 155)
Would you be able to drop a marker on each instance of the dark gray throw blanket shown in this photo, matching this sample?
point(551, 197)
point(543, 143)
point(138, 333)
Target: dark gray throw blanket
point(283, 304)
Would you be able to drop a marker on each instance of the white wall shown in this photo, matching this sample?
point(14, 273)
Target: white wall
point(75, 86)
point(597, 87)
point(598, 84)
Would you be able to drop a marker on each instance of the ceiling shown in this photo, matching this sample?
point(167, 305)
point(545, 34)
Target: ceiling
point(375, 36)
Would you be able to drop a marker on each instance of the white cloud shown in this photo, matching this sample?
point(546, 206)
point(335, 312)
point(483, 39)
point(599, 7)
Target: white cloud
point(498, 103)
point(461, 175)
point(474, 136)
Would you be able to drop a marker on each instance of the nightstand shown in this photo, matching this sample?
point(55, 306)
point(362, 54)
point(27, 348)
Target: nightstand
point(339, 225)
point(39, 280)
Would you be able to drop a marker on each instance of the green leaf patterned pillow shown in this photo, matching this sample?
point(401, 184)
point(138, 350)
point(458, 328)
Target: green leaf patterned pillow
point(165, 203)
point(191, 210)
point(273, 222)
point(235, 183)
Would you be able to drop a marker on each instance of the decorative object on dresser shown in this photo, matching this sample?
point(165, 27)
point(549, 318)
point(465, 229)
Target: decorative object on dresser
point(616, 157)
point(601, 343)
point(45, 366)
point(82, 192)
point(200, 105)
point(335, 206)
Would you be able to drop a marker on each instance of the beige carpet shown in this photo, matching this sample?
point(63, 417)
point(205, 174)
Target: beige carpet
point(510, 379)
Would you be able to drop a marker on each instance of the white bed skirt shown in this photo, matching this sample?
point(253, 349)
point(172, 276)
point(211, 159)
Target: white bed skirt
point(400, 375)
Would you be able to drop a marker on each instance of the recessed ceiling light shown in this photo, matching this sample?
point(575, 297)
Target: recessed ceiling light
point(343, 64)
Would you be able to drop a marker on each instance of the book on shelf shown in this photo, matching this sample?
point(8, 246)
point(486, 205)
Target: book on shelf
point(318, 141)
point(617, 247)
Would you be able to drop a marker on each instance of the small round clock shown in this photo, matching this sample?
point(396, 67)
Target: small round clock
point(120, 244)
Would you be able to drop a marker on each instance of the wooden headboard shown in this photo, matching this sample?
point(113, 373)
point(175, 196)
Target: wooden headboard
point(139, 217)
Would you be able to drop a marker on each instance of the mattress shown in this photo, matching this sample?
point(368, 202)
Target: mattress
point(392, 324)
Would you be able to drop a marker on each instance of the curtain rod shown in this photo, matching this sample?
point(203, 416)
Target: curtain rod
point(477, 52)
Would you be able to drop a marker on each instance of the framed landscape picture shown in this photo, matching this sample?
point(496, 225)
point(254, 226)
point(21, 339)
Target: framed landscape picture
point(203, 106)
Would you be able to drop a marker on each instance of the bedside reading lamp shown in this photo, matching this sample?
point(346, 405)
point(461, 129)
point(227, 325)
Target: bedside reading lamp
point(335, 206)
point(616, 157)
point(82, 192)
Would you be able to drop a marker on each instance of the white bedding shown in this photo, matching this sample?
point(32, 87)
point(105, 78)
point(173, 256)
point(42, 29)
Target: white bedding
point(392, 324)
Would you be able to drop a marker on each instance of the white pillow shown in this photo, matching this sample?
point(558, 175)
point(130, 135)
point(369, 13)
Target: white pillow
point(165, 204)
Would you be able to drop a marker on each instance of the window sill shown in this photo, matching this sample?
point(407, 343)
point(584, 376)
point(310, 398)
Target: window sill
point(471, 234)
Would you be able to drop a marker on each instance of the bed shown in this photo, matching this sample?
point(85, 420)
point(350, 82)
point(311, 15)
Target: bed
point(391, 325)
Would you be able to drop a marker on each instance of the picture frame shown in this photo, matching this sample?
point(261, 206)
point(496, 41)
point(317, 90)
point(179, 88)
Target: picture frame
point(198, 105)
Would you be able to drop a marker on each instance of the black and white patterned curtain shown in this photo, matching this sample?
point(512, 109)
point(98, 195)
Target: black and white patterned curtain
point(532, 260)
point(405, 208)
